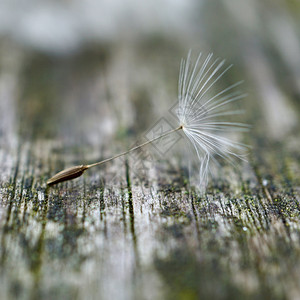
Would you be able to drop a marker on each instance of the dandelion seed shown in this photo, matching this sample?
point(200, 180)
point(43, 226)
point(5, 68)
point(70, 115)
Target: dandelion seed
point(200, 110)
point(67, 174)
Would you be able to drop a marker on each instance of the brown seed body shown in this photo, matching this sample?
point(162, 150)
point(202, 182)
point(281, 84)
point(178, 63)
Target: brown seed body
point(67, 174)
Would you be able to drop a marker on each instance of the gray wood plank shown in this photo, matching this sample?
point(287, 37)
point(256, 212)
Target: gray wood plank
point(134, 228)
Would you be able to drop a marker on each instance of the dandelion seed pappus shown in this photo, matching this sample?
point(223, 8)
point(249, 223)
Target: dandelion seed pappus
point(201, 108)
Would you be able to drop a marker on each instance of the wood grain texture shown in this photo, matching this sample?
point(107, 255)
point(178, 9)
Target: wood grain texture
point(135, 228)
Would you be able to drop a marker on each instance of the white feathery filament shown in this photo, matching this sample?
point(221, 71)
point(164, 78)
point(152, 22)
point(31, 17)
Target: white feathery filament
point(201, 109)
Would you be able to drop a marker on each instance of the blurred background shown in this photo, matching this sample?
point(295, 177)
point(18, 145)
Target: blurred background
point(83, 80)
point(87, 71)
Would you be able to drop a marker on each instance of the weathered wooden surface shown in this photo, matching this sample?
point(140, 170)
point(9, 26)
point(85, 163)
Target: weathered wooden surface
point(126, 231)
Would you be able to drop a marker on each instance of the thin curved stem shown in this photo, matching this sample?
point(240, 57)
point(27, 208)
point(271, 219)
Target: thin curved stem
point(133, 149)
